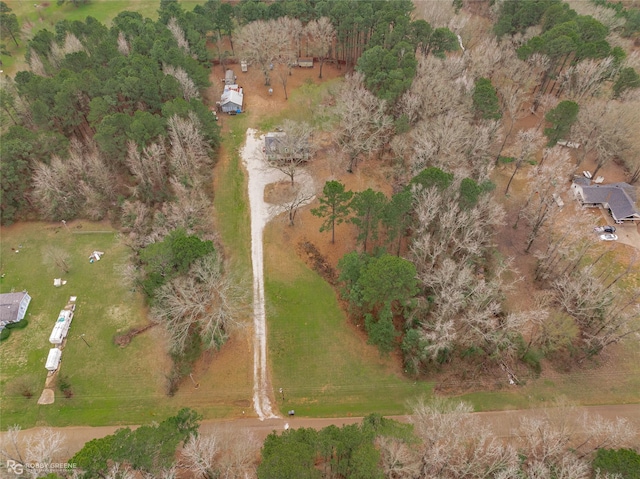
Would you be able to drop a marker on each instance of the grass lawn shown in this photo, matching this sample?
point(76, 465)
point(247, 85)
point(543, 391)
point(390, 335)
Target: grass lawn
point(38, 15)
point(322, 364)
point(111, 385)
point(231, 202)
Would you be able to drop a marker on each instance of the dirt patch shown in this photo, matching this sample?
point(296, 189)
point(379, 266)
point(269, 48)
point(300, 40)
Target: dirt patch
point(123, 340)
point(314, 259)
point(279, 193)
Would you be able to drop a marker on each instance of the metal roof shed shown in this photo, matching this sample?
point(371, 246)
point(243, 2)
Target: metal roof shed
point(53, 359)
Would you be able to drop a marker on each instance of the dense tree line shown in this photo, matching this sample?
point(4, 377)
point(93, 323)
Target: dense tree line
point(103, 88)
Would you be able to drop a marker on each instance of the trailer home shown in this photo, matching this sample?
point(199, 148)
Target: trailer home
point(61, 328)
point(53, 359)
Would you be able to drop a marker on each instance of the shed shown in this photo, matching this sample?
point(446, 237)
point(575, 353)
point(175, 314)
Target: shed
point(53, 359)
point(231, 99)
point(305, 62)
point(61, 328)
point(13, 307)
point(229, 77)
point(243, 66)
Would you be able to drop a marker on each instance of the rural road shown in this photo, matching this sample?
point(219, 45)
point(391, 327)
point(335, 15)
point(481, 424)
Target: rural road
point(502, 423)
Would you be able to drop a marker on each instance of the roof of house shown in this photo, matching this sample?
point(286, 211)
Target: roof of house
point(9, 306)
point(272, 141)
point(232, 95)
point(620, 197)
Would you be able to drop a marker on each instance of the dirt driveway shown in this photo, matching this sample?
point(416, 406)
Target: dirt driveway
point(502, 423)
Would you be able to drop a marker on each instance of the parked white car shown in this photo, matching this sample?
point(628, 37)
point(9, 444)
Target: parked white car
point(608, 237)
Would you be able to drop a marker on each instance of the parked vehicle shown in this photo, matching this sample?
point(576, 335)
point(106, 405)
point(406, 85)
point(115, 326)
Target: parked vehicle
point(608, 237)
point(605, 229)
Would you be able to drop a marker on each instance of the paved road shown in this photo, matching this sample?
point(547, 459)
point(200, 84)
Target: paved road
point(503, 423)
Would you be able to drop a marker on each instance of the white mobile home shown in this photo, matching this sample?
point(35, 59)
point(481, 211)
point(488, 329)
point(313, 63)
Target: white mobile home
point(53, 359)
point(61, 327)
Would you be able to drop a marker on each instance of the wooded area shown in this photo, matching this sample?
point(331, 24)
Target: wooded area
point(113, 123)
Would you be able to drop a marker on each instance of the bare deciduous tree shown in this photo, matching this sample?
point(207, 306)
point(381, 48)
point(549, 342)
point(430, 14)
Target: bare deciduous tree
point(119, 471)
point(364, 123)
point(399, 459)
point(57, 256)
point(292, 149)
point(527, 145)
point(320, 35)
point(446, 453)
point(585, 79)
point(123, 45)
point(189, 152)
point(206, 299)
point(35, 64)
point(81, 184)
point(263, 43)
point(189, 88)
point(603, 313)
point(452, 141)
point(150, 168)
point(178, 34)
point(512, 97)
point(224, 453)
point(42, 447)
point(545, 183)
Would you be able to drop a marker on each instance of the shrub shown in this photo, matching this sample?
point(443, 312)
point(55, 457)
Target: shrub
point(18, 325)
point(65, 386)
point(5, 334)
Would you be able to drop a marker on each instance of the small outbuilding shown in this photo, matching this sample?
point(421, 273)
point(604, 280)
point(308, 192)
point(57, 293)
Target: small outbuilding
point(243, 66)
point(229, 78)
point(53, 359)
point(231, 99)
point(305, 62)
point(13, 307)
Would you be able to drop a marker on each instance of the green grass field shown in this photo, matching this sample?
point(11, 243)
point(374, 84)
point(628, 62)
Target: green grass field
point(231, 202)
point(38, 15)
point(110, 384)
point(322, 364)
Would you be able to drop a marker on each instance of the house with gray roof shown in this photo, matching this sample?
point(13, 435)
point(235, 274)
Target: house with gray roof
point(13, 307)
point(618, 198)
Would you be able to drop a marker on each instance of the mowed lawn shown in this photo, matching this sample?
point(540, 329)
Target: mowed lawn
point(321, 363)
point(36, 15)
point(110, 384)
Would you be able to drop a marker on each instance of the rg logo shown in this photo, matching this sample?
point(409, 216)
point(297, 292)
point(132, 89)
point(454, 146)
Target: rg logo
point(15, 467)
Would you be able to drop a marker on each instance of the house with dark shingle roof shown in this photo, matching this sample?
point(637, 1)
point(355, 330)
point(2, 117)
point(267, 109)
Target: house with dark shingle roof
point(13, 307)
point(618, 198)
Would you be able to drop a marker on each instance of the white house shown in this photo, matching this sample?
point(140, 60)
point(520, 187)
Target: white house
point(13, 307)
point(53, 359)
point(231, 99)
point(61, 327)
point(618, 198)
